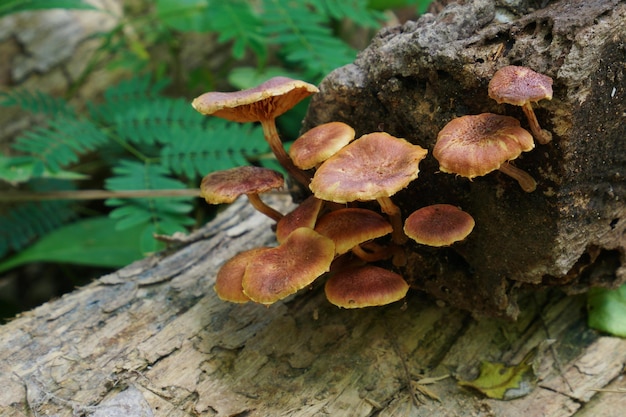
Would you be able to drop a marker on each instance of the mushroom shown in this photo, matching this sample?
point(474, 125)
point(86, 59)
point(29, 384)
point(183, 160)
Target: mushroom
point(225, 186)
point(281, 271)
point(365, 286)
point(520, 86)
point(438, 225)
point(305, 215)
point(350, 227)
point(475, 145)
point(374, 167)
point(263, 104)
point(320, 143)
point(228, 282)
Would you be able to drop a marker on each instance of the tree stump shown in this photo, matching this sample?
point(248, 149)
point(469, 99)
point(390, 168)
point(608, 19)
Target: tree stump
point(153, 339)
point(414, 79)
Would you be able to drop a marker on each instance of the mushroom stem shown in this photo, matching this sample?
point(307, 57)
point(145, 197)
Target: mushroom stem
point(260, 206)
point(272, 138)
point(524, 179)
point(542, 135)
point(395, 218)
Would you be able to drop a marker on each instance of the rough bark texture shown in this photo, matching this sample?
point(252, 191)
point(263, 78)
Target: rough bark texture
point(413, 79)
point(153, 339)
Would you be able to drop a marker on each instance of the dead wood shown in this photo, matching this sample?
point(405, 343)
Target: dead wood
point(153, 339)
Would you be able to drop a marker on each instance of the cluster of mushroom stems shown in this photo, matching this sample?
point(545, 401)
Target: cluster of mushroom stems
point(332, 233)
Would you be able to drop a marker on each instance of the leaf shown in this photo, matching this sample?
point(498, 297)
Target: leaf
point(503, 382)
point(19, 169)
point(607, 310)
point(13, 6)
point(161, 212)
point(184, 15)
point(91, 242)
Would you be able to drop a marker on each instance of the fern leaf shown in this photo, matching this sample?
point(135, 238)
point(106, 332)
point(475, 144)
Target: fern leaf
point(354, 10)
point(37, 103)
point(305, 38)
point(60, 143)
point(235, 21)
point(162, 213)
point(22, 224)
point(220, 145)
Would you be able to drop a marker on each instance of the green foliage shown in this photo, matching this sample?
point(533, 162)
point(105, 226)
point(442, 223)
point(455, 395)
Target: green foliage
point(86, 242)
point(147, 140)
point(607, 310)
point(137, 137)
point(13, 6)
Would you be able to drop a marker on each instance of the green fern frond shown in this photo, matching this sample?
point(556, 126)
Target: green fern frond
point(20, 225)
point(37, 103)
point(305, 38)
point(236, 21)
point(60, 143)
point(220, 145)
point(131, 175)
point(23, 224)
point(354, 10)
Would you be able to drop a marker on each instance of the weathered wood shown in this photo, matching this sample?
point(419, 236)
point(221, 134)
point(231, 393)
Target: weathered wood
point(153, 339)
point(414, 79)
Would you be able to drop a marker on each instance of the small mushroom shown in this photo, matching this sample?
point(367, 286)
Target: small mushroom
point(373, 167)
point(263, 104)
point(305, 215)
point(438, 225)
point(228, 282)
point(475, 145)
point(365, 286)
point(350, 227)
point(320, 143)
point(281, 271)
point(223, 187)
point(520, 86)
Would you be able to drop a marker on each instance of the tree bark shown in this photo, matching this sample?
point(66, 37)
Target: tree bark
point(153, 339)
point(414, 79)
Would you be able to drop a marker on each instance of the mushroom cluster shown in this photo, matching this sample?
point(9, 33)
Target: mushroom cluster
point(349, 228)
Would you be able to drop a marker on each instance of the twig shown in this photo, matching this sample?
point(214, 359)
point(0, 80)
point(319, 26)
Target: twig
point(17, 196)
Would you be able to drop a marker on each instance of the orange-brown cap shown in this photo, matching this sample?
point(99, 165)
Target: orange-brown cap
point(519, 85)
point(475, 145)
point(375, 165)
point(365, 286)
point(265, 101)
point(225, 186)
point(320, 143)
point(278, 272)
point(348, 227)
point(305, 215)
point(228, 283)
point(438, 225)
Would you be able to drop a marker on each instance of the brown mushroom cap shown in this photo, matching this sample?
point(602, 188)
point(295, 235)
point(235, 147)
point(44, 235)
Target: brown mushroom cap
point(222, 187)
point(438, 225)
point(365, 286)
point(228, 282)
point(261, 104)
point(475, 145)
point(349, 227)
point(278, 272)
point(519, 85)
point(268, 100)
point(375, 165)
point(320, 143)
point(305, 215)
